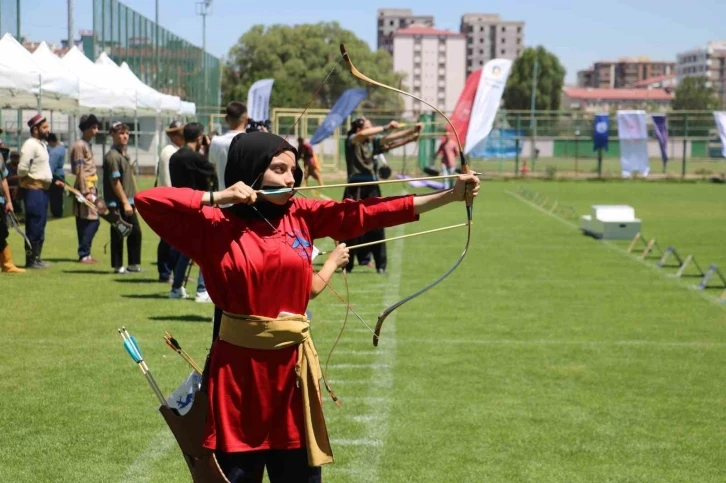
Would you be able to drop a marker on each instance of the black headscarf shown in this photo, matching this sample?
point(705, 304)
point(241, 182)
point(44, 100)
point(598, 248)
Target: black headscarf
point(250, 154)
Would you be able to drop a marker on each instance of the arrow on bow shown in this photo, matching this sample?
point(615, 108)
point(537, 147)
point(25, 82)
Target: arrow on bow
point(469, 202)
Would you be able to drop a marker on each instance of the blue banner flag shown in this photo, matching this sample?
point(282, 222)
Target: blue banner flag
point(660, 126)
point(601, 130)
point(342, 109)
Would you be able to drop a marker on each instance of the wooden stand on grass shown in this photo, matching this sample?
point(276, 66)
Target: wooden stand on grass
point(652, 245)
point(712, 270)
point(670, 251)
point(689, 259)
point(637, 238)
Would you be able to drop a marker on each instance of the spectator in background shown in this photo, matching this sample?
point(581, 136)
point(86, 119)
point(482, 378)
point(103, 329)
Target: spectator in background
point(6, 207)
point(175, 132)
point(236, 118)
point(57, 154)
point(35, 179)
point(310, 161)
point(190, 169)
point(14, 182)
point(119, 189)
point(449, 152)
point(84, 168)
point(176, 140)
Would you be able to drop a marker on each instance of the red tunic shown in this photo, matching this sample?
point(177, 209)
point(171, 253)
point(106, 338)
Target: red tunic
point(250, 269)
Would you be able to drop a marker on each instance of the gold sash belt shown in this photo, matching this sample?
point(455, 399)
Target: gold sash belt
point(255, 332)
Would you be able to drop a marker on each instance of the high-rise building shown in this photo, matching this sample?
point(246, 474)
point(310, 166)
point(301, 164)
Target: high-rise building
point(392, 19)
point(709, 62)
point(434, 63)
point(625, 72)
point(489, 37)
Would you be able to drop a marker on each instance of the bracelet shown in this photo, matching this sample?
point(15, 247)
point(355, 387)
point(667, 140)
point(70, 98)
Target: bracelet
point(211, 198)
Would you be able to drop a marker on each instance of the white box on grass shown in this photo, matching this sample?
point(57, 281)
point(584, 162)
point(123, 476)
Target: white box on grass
point(611, 222)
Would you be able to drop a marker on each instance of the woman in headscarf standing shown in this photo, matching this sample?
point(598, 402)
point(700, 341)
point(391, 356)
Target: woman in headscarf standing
point(263, 378)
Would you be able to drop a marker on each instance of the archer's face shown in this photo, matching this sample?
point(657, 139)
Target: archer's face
point(280, 173)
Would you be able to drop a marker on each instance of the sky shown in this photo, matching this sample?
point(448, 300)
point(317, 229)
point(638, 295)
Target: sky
point(579, 32)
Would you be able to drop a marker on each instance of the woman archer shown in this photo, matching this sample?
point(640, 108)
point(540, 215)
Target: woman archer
point(265, 404)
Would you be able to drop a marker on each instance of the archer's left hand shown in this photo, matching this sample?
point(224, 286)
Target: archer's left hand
point(466, 187)
point(9, 207)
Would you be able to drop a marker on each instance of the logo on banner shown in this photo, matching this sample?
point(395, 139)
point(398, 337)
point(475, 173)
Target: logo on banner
point(631, 126)
point(601, 127)
point(496, 71)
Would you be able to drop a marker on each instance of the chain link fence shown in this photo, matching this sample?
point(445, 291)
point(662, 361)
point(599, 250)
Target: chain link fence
point(158, 57)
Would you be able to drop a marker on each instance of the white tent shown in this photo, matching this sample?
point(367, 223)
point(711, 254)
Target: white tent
point(19, 75)
point(98, 89)
point(169, 104)
point(188, 108)
point(16, 88)
point(148, 100)
point(56, 78)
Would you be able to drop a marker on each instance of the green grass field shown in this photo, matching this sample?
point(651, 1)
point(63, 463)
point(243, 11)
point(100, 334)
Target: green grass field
point(546, 357)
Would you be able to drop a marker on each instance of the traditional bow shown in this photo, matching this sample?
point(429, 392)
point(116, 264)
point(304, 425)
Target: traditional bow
point(464, 169)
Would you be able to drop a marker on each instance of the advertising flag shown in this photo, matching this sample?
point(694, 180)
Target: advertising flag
point(486, 103)
point(345, 105)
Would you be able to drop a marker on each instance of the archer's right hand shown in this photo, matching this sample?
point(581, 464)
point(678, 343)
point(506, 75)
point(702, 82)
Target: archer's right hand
point(236, 194)
point(339, 256)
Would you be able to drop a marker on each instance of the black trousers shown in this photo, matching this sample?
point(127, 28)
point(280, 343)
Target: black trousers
point(133, 242)
point(283, 466)
point(164, 262)
point(4, 232)
point(379, 250)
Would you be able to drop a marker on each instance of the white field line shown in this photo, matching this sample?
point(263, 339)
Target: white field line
point(364, 466)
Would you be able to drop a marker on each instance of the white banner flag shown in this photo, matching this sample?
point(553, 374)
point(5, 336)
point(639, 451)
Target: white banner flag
point(720, 117)
point(486, 103)
point(258, 100)
point(633, 135)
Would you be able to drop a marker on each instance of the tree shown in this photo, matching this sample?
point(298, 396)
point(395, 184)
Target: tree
point(692, 94)
point(298, 58)
point(550, 79)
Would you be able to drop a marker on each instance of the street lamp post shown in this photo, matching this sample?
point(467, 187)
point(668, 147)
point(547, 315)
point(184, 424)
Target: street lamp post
point(204, 8)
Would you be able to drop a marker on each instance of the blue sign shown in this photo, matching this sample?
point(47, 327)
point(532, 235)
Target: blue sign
point(500, 143)
point(601, 131)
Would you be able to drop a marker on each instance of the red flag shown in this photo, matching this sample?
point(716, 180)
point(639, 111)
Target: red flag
point(462, 111)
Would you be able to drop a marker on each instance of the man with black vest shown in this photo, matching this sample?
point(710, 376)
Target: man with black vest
point(188, 168)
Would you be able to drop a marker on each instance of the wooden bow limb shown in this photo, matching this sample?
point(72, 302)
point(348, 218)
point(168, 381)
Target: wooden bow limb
point(465, 169)
point(119, 224)
point(401, 237)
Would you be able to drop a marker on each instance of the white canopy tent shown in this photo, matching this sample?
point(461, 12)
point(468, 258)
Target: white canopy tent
point(188, 108)
point(170, 105)
point(20, 78)
point(148, 100)
point(57, 78)
point(99, 88)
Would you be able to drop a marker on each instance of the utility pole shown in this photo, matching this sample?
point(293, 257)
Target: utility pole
point(204, 8)
point(156, 48)
point(70, 24)
point(19, 39)
point(71, 43)
point(532, 122)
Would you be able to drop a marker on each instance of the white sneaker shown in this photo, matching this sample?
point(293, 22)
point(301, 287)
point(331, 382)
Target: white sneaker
point(120, 270)
point(203, 297)
point(178, 293)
